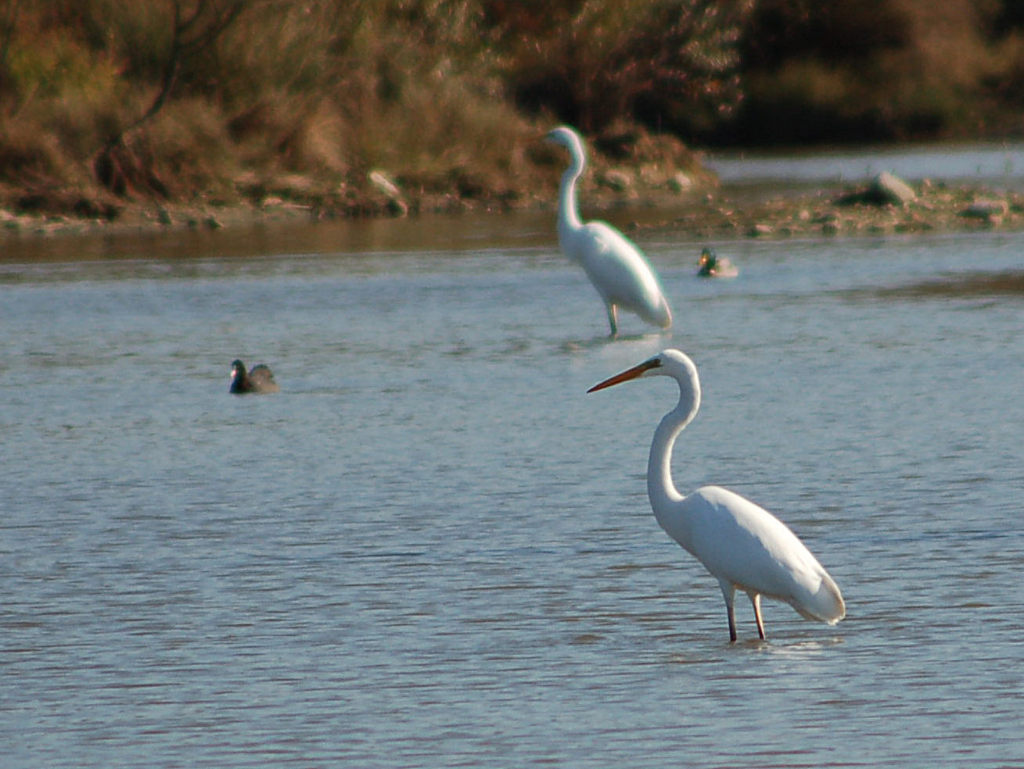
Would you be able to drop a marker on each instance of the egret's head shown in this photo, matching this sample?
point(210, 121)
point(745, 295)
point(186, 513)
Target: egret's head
point(668, 362)
point(675, 363)
point(566, 137)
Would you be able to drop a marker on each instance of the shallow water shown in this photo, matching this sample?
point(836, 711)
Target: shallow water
point(997, 166)
point(434, 549)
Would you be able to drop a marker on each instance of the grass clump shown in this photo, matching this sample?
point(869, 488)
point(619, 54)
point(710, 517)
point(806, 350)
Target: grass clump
point(172, 100)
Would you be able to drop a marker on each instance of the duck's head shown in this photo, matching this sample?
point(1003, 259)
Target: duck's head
point(708, 261)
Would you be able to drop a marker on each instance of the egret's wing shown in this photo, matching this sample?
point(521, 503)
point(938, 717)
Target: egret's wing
point(621, 274)
point(745, 544)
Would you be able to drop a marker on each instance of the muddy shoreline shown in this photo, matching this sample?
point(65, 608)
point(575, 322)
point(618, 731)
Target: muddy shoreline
point(837, 211)
point(708, 213)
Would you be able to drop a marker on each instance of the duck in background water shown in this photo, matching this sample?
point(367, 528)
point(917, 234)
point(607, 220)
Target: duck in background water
point(259, 380)
point(713, 266)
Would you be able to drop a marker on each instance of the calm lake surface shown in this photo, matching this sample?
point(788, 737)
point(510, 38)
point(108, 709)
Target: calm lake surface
point(1000, 165)
point(432, 548)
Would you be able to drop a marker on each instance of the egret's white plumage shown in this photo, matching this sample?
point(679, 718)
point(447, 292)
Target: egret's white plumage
point(743, 545)
point(615, 266)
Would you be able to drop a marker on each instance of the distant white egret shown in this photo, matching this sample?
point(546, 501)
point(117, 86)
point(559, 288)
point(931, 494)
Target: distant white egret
point(259, 380)
point(615, 266)
point(744, 546)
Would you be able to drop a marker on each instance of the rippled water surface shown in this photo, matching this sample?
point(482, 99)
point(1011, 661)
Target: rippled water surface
point(432, 548)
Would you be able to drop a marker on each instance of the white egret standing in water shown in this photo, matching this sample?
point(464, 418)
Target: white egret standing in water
point(615, 266)
point(743, 545)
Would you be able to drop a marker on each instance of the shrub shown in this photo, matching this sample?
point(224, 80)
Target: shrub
point(671, 63)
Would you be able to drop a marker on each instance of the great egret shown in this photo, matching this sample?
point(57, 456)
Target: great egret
point(714, 266)
point(259, 380)
point(615, 266)
point(744, 546)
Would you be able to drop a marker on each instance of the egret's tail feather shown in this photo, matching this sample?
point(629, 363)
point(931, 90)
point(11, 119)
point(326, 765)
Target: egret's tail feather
point(824, 605)
point(827, 604)
point(661, 316)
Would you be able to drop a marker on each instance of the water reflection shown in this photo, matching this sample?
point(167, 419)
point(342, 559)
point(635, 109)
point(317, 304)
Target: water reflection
point(1001, 164)
point(353, 237)
point(1009, 284)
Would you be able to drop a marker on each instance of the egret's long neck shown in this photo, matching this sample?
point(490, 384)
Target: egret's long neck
point(660, 488)
point(568, 208)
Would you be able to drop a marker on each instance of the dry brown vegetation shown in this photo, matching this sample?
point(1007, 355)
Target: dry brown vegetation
point(882, 70)
point(106, 104)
